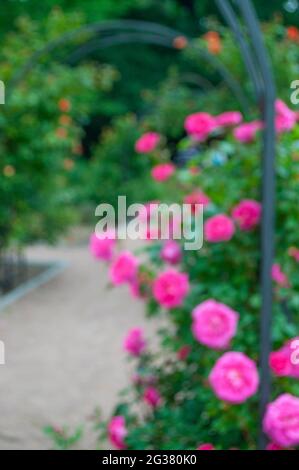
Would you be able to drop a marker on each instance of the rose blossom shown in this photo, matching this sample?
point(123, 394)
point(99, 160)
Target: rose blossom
point(200, 125)
point(279, 276)
point(281, 420)
point(214, 324)
point(117, 432)
point(123, 269)
point(170, 288)
point(102, 245)
point(134, 342)
point(283, 361)
point(152, 396)
point(219, 228)
point(234, 378)
point(273, 446)
point(147, 142)
point(294, 252)
point(206, 446)
point(229, 118)
point(197, 197)
point(280, 362)
point(246, 132)
point(162, 172)
point(285, 118)
point(247, 213)
point(171, 252)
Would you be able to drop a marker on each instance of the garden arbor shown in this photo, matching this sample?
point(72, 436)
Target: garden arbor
point(242, 20)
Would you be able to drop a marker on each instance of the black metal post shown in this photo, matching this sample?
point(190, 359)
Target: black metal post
point(257, 63)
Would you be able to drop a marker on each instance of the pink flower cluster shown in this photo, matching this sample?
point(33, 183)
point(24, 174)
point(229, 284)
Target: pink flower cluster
point(229, 119)
point(117, 432)
point(281, 420)
point(246, 132)
point(234, 378)
point(162, 172)
point(284, 362)
point(170, 288)
point(206, 446)
point(134, 342)
point(219, 228)
point(101, 245)
point(123, 269)
point(285, 118)
point(294, 253)
point(214, 324)
point(195, 198)
point(147, 142)
point(279, 276)
point(247, 214)
point(200, 125)
point(152, 397)
point(171, 252)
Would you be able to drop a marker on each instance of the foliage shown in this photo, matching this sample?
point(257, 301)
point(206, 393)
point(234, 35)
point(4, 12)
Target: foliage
point(115, 169)
point(62, 439)
point(228, 272)
point(40, 133)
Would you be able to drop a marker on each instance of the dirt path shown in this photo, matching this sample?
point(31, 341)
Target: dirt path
point(63, 351)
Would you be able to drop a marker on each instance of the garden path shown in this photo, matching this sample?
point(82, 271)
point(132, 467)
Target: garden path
point(63, 350)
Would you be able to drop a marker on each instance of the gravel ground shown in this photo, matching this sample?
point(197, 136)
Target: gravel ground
point(63, 351)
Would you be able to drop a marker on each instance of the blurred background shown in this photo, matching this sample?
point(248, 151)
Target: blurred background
point(77, 99)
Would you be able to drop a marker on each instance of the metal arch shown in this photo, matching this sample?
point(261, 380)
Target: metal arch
point(118, 32)
point(256, 60)
point(253, 71)
point(123, 38)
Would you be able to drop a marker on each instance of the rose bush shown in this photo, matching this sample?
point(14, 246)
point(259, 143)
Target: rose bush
point(41, 129)
point(204, 379)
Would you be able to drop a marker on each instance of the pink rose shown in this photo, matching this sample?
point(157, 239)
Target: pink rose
point(219, 228)
point(294, 252)
point(162, 172)
point(102, 245)
point(171, 252)
point(247, 213)
point(197, 197)
point(285, 118)
point(279, 276)
point(170, 288)
point(273, 446)
point(229, 118)
point(147, 142)
point(117, 432)
point(200, 125)
point(234, 378)
point(206, 446)
point(134, 342)
point(246, 132)
point(123, 269)
point(281, 420)
point(280, 363)
point(152, 397)
point(214, 324)
point(285, 361)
